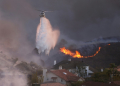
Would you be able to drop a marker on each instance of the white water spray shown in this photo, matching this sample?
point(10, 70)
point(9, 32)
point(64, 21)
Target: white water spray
point(46, 38)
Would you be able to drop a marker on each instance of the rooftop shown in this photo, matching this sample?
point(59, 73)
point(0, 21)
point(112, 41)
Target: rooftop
point(52, 84)
point(69, 64)
point(66, 75)
point(72, 65)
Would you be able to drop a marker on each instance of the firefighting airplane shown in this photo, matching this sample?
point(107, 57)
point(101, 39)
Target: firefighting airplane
point(43, 13)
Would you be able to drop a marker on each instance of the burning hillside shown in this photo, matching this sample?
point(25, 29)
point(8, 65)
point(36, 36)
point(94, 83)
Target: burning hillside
point(77, 53)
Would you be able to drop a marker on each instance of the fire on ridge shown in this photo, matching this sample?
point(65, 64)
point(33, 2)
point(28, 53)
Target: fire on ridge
point(77, 53)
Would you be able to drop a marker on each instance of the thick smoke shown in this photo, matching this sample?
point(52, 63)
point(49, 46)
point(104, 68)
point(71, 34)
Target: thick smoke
point(13, 77)
point(46, 38)
point(10, 75)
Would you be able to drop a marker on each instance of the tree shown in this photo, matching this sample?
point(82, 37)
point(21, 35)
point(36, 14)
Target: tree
point(100, 77)
point(81, 71)
point(78, 83)
point(106, 75)
point(39, 72)
point(34, 78)
point(40, 79)
point(112, 68)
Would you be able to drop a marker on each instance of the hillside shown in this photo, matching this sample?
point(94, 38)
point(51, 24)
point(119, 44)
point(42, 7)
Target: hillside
point(108, 54)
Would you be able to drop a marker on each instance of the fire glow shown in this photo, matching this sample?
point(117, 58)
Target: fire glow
point(77, 53)
point(68, 52)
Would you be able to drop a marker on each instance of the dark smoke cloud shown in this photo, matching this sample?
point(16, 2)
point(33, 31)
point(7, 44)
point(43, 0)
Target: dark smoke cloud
point(14, 32)
point(84, 19)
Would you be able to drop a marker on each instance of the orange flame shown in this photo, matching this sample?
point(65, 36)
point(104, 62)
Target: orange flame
point(68, 52)
point(96, 52)
point(76, 54)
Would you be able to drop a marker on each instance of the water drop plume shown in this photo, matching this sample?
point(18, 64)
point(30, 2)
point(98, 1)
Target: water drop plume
point(46, 37)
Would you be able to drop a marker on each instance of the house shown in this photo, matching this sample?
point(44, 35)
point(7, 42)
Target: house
point(61, 76)
point(73, 66)
point(52, 84)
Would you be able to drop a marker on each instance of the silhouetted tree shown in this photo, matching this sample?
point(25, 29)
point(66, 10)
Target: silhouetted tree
point(34, 78)
point(112, 68)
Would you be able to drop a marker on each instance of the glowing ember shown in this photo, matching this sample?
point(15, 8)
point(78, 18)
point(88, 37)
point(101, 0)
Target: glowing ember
point(76, 54)
point(96, 52)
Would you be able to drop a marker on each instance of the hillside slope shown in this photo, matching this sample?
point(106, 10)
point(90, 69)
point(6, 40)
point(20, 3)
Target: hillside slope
point(108, 54)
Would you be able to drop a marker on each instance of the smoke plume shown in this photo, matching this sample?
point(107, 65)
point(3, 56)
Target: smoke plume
point(9, 74)
point(46, 38)
point(13, 78)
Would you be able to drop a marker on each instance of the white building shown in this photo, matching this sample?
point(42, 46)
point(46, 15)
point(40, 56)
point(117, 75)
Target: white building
point(74, 67)
point(61, 76)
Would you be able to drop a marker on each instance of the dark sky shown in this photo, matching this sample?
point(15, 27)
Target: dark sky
point(78, 20)
point(81, 20)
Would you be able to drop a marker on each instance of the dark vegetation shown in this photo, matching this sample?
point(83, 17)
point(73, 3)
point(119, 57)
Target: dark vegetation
point(109, 74)
point(108, 54)
point(35, 77)
point(78, 83)
point(32, 70)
